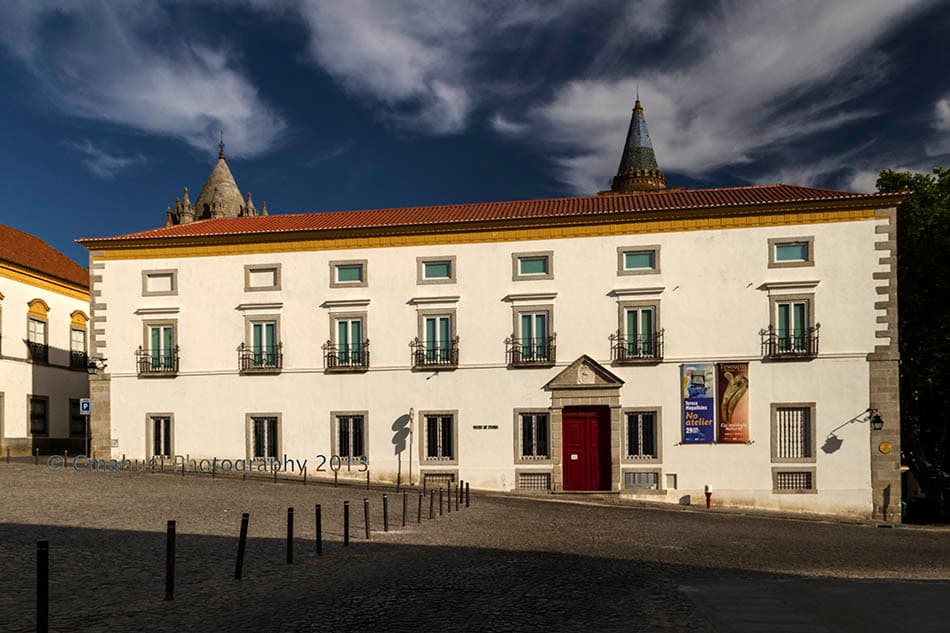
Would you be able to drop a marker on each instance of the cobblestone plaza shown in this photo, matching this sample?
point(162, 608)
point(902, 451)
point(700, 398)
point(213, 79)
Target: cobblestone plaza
point(505, 564)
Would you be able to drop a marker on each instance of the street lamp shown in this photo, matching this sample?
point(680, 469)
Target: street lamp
point(877, 423)
point(94, 365)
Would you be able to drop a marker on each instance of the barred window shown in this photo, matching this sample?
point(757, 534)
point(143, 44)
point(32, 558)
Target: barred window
point(534, 481)
point(793, 433)
point(641, 435)
point(633, 480)
point(792, 481)
point(535, 431)
point(350, 434)
point(39, 415)
point(439, 437)
point(161, 436)
point(264, 438)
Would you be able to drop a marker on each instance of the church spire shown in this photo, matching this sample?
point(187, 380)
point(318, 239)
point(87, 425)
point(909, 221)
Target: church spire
point(638, 170)
point(221, 146)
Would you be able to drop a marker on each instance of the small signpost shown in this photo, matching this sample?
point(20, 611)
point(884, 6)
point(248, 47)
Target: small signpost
point(85, 406)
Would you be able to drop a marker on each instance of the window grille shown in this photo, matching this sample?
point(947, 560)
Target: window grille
point(434, 481)
point(534, 481)
point(641, 481)
point(534, 436)
point(439, 445)
point(794, 480)
point(641, 435)
point(793, 429)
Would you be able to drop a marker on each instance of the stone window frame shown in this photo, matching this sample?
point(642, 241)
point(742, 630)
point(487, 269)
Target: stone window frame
point(147, 323)
point(660, 490)
point(333, 432)
point(623, 306)
point(622, 250)
point(40, 316)
point(421, 315)
point(150, 431)
point(30, 397)
point(424, 438)
point(337, 263)
point(160, 293)
point(632, 460)
point(85, 419)
point(348, 316)
point(518, 310)
point(251, 268)
point(807, 297)
point(251, 319)
point(809, 240)
point(420, 269)
point(795, 469)
point(516, 418)
point(773, 433)
point(249, 434)
point(516, 258)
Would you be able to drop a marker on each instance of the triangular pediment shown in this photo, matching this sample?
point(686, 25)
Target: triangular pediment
point(584, 373)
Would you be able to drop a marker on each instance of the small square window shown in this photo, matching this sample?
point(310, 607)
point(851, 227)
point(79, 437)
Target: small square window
point(791, 252)
point(262, 277)
point(532, 266)
point(434, 270)
point(348, 274)
point(159, 282)
point(638, 260)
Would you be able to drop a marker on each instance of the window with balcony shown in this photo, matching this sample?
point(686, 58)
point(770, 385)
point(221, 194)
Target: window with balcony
point(159, 355)
point(348, 349)
point(790, 333)
point(262, 352)
point(436, 345)
point(638, 337)
point(533, 342)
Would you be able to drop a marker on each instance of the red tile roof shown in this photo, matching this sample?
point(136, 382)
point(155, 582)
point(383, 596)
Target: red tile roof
point(29, 251)
point(667, 200)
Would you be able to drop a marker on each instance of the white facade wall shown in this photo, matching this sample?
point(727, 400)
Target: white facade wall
point(711, 305)
point(20, 378)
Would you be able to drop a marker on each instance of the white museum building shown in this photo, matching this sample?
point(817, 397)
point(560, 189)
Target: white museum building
point(643, 341)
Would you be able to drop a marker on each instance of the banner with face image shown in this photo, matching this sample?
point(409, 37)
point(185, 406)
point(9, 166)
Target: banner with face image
point(698, 383)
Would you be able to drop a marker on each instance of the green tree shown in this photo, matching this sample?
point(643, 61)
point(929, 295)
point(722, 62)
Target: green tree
point(923, 287)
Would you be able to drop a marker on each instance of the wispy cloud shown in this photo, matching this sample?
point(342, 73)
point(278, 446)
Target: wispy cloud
point(941, 124)
point(103, 163)
point(125, 63)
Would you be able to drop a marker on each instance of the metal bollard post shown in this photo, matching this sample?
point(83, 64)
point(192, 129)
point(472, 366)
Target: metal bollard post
point(242, 545)
point(183, 469)
point(468, 496)
point(275, 475)
point(366, 516)
point(346, 523)
point(42, 586)
point(290, 536)
point(385, 513)
point(424, 491)
point(8, 454)
point(458, 495)
point(431, 504)
point(335, 475)
point(458, 490)
point(419, 516)
point(305, 475)
point(405, 502)
point(319, 529)
point(214, 469)
point(367, 479)
point(36, 457)
point(170, 561)
point(440, 502)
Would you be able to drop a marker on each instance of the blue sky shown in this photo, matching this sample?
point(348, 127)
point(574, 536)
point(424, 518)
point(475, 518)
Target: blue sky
point(110, 108)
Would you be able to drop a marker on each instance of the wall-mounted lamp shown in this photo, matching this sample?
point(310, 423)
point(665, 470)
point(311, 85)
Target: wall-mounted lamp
point(877, 423)
point(94, 365)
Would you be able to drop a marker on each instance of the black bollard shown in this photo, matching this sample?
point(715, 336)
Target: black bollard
point(8, 454)
point(385, 513)
point(448, 498)
point(242, 544)
point(366, 516)
point(405, 502)
point(305, 475)
point(335, 475)
point(431, 504)
point(346, 523)
point(458, 495)
point(367, 479)
point(36, 457)
point(170, 561)
point(214, 469)
point(290, 536)
point(183, 469)
point(424, 491)
point(468, 496)
point(419, 515)
point(319, 528)
point(42, 586)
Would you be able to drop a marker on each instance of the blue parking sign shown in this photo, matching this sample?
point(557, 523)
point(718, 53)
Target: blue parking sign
point(85, 406)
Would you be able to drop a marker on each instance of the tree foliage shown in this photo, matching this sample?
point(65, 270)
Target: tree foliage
point(923, 287)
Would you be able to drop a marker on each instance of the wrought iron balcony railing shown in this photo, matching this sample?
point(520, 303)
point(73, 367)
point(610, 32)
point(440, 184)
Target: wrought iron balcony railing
point(37, 352)
point(345, 357)
point(531, 352)
point(643, 348)
point(78, 360)
point(265, 360)
point(427, 355)
point(789, 345)
point(155, 362)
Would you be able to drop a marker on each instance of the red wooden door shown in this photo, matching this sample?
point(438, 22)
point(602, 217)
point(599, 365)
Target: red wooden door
point(586, 441)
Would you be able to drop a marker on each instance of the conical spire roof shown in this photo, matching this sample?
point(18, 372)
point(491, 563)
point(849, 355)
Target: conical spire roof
point(638, 169)
point(220, 197)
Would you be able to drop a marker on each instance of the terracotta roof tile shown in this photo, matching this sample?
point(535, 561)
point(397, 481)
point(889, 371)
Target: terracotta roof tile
point(667, 200)
point(29, 251)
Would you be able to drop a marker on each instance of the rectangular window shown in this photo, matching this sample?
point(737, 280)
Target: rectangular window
point(264, 343)
point(77, 421)
point(538, 265)
point(264, 438)
point(262, 277)
point(638, 260)
point(439, 435)
point(534, 481)
point(77, 341)
point(793, 480)
point(435, 270)
point(793, 433)
point(534, 335)
point(39, 415)
point(791, 326)
point(159, 282)
point(533, 266)
point(161, 350)
point(642, 435)
point(437, 338)
point(36, 332)
point(648, 480)
point(535, 433)
point(161, 439)
point(640, 331)
point(350, 437)
point(349, 341)
point(348, 273)
point(791, 252)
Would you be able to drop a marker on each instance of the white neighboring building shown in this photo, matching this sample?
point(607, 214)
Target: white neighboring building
point(540, 344)
point(44, 304)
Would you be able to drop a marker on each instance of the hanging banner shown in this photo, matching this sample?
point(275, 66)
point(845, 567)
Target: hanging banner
point(699, 403)
point(733, 382)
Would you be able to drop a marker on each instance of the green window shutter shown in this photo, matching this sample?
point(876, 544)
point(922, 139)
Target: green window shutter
point(527, 331)
point(156, 342)
point(799, 322)
point(168, 345)
point(342, 338)
point(356, 334)
point(646, 330)
point(445, 333)
point(257, 333)
point(270, 338)
point(533, 266)
point(639, 260)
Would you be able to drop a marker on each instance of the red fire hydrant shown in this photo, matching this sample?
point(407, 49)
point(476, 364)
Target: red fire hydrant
point(708, 490)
